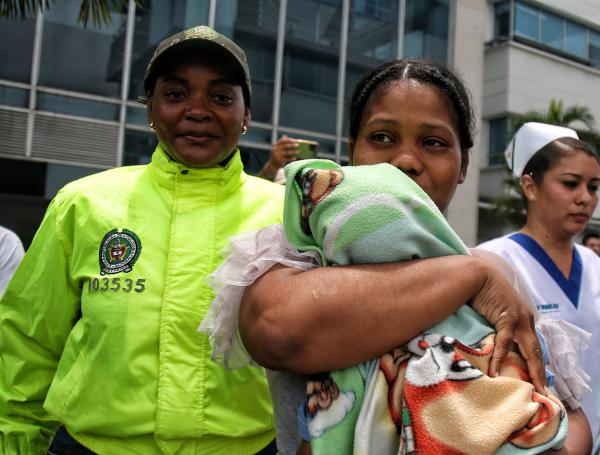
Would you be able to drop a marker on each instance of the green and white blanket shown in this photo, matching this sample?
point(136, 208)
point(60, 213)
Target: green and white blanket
point(432, 395)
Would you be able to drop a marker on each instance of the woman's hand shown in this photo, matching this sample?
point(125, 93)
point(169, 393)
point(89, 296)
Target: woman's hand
point(513, 319)
point(284, 151)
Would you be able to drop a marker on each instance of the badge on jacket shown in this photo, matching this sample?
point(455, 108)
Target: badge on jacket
point(119, 251)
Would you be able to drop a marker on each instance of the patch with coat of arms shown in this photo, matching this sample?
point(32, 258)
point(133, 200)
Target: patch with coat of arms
point(118, 251)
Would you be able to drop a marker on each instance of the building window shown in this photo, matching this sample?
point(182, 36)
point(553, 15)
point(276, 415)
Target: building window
point(538, 27)
point(81, 59)
point(595, 48)
point(551, 30)
point(576, 39)
point(16, 49)
point(526, 21)
point(426, 29)
point(502, 20)
point(498, 140)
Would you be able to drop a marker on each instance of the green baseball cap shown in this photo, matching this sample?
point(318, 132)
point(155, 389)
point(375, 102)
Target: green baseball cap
point(205, 38)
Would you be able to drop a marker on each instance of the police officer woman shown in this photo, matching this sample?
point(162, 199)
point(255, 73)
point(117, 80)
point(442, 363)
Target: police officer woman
point(98, 327)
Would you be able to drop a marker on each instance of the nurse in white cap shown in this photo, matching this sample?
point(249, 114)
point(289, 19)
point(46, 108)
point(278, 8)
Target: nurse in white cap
point(559, 177)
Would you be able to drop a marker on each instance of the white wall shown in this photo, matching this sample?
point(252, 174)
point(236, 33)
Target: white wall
point(467, 57)
point(519, 78)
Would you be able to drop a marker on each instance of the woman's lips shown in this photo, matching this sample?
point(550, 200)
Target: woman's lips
point(197, 138)
point(580, 217)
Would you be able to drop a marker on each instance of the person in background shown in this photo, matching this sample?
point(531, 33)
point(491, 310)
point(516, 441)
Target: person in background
point(560, 176)
point(592, 241)
point(284, 312)
point(11, 253)
point(284, 151)
point(98, 326)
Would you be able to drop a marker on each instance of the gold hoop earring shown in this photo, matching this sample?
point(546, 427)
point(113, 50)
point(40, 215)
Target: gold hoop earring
point(244, 129)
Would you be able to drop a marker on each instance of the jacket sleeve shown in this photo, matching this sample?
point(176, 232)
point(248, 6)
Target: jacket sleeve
point(37, 313)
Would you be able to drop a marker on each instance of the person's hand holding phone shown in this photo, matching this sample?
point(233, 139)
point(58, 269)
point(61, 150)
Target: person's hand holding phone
point(307, 149)
point(286, 150)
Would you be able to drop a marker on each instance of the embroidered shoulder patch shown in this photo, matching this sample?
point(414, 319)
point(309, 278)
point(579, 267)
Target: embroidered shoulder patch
point(119, 251)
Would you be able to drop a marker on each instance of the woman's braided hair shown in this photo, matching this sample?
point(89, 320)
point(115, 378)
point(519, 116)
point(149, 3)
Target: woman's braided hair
point(425, 71)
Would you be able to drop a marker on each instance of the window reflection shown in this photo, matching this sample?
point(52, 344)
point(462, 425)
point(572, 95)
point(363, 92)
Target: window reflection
point(498, 139)
point(576, 40)
point(595, 48)
point(11, 96)
point(253, 25)
point(311, 59)
point(75, 106)
point(137, 115)
point(551, 30)
point(83, 60)
point(538, 27)
point(502, 20)
point(156, 20)
point(426, 29)
point(526, 23)
point(139, 146)
point(16, 49)
point(372, 40)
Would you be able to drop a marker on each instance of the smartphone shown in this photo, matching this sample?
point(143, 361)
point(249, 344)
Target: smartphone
point(307, 149)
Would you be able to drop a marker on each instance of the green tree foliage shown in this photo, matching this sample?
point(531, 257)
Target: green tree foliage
point(97, 10)
point(510, 207)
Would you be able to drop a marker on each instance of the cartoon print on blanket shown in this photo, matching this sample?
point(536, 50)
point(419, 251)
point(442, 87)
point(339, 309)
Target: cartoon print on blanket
point(432, 395)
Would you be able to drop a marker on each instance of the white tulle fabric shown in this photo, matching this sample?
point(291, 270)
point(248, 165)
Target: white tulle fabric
point(247, 257)
point(250, 255)
point(565, 341)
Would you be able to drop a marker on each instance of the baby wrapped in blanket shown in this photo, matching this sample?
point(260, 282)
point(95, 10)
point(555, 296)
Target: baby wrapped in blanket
point(432, 395)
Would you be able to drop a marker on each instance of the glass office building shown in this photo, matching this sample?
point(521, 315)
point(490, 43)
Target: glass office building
point(68, 94)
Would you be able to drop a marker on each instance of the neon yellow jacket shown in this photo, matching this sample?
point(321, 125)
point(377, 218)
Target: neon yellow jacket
point(98, 328)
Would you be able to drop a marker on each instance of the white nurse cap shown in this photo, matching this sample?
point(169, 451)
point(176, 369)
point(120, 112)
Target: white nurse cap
point(528, 139)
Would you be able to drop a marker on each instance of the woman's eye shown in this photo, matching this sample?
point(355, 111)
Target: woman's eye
point(433, 142)
point(570, 184)
point(223, 98)
point(174, 94)
point(593, 188)
point(381, 137)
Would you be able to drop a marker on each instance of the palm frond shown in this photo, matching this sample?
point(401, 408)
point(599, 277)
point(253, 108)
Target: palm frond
point(21, 9)
point(98, 11)
point(510, 208)
point(578, 114)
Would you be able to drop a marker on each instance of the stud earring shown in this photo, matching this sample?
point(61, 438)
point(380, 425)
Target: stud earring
point(152, 126)
point(244, 129)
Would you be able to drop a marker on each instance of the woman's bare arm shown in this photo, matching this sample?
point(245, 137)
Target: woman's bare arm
point(331, 318)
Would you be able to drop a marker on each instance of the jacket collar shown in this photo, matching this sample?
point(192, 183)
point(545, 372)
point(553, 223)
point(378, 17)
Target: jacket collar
point(169, 173)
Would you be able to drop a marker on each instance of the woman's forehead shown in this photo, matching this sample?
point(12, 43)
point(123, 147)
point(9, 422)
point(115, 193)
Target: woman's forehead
point(209, 71)
point(410, 98)
point(219, 64)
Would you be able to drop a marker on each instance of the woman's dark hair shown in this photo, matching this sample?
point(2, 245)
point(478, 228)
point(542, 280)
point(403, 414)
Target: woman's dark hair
point(546, 157)
point(427, 72)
